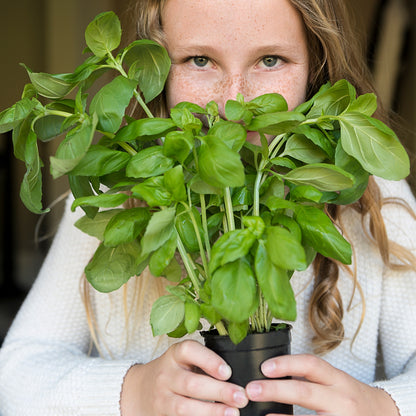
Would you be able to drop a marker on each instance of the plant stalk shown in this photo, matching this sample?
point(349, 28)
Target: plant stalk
point(188, 265)
point(229, 209)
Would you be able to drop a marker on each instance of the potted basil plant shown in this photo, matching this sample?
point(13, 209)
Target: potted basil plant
point(239, 217)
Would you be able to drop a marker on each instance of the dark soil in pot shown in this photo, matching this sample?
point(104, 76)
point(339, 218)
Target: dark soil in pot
point(246, 358)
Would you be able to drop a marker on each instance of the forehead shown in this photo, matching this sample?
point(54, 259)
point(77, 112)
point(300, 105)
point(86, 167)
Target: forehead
point(219, 21)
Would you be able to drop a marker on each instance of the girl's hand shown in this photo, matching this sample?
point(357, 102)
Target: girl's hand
point(319, 386)
point(174, 384)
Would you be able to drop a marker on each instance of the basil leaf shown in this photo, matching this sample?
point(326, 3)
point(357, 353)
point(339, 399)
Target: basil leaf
point(13, 116)
point(112, 267)
point(192, 316)
point(374, 145)
point(147, 128)
point(267, 103)
point(276, 123)
point(231, 246)
point(149, 64)
point(153, 191)
point(365, 104)
point(96, 226)
point(285, 250)
point(320, 233)
point(159, 230)
point(178, 145)
point(334, 101)
point(275, 286)
point(301, 148)
point(321, 176)
point(100, 161)
point(73, 148)
point(351, 165)
point(175, 183)
point(101, 200)
point(234, 291)
point(232, 134)
point(50, 86)
point(31, 186)
point(125, 226)
point(111, 102)
point(167, 314)
point(103, 34)
point(161, 258)
point(219, 166)
point(148, 162)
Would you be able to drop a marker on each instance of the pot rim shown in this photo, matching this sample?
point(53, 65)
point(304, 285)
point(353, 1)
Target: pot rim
point(253, 341)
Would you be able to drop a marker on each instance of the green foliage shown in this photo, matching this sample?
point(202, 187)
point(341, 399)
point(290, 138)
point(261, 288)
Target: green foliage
point(240, 217)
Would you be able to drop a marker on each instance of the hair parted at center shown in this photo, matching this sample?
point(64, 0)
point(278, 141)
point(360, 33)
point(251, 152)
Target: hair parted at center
point(335, 53)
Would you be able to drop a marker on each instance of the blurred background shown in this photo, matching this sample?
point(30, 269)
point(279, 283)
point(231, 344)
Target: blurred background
point(48, 36)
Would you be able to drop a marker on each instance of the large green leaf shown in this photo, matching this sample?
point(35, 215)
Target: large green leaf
point(149, 64)
point(149, 128)
point(13, 116)
point(159, 230)
point(334, 100)
point(153, 191)
point(103, 34)
point(112, 267)
point(125, 226)
point(319, 232)
point(267, 103)
point(97, 225)
point(48, 127)
point(178, 145)
point(111, 102)
point(301, 148)
point(161, 258)
point(234, 291)
point(167, 314)
point(284, 249)
point(234, 135)
point(351, 165)
point(50, 86)
point(374, 145)
point(100, 161)
point(231, 246)
point(275, 286)
point(31, 187)
point(149, 162)
point(322, 176)
point(276, 123)
point(101, 200)
point(219, 166)
point(73, 148)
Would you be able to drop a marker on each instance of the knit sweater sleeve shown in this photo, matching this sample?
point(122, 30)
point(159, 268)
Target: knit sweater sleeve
point(398, 315)
point(45, 369)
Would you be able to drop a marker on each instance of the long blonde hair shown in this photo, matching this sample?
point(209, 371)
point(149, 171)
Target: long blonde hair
point(335, 53)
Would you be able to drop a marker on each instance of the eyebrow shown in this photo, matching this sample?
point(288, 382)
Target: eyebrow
point(270, 49)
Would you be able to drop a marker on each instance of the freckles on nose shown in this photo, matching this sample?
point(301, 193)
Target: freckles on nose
point(228, 88)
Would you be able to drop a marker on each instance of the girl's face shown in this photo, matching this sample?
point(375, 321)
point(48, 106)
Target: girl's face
point(223, 47)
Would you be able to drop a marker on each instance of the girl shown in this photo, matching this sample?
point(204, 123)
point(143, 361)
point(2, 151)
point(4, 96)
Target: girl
point(220, 48)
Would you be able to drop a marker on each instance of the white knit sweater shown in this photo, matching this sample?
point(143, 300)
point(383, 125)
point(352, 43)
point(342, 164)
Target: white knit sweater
point(45, 368)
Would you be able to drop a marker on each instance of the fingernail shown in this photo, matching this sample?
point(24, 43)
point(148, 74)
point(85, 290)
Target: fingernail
point(254, 390)
point(231, 412)
point(268, 367)
point(225, 371)
point(240, 398)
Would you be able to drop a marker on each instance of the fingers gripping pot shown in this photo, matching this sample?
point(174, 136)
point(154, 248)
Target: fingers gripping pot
point(245, 360)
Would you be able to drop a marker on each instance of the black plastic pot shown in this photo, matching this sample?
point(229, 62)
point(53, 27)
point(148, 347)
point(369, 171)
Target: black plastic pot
point(246, 358)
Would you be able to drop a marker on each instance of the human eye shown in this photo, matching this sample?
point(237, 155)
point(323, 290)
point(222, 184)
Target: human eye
point(199, 61)
point(271, 61)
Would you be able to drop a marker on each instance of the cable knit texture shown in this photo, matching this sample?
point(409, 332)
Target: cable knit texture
point(46, 368)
